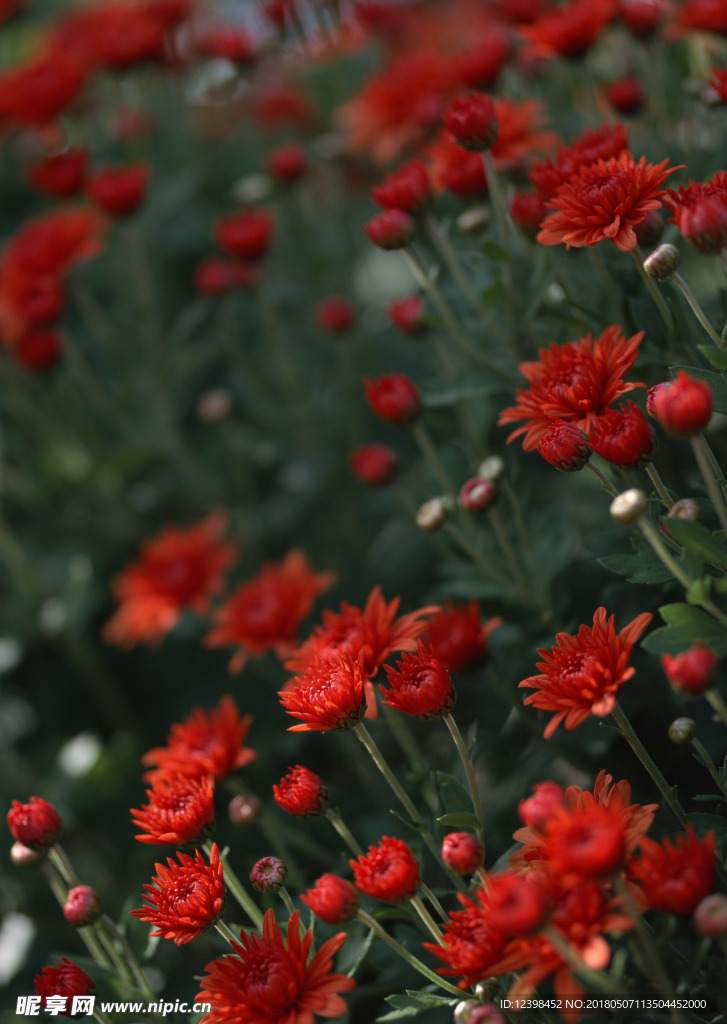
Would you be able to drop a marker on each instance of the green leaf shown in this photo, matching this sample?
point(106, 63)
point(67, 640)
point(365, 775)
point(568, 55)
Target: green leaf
point(698, 541)
point(684, 626)
point(641, 567)
point(459, 819)
point(704, 823)
point(716, 356)
point(716, 381)
point(453, 796)
point(414, 1003)
point(698, 590)
point(418, 826)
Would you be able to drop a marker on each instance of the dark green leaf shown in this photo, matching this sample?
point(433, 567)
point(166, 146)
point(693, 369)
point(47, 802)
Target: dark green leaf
point(459, 819)
point(684, 626)
point(453, 796)
point(699, 541)
point(716, 356)
point(698, 590)
point(641, 567)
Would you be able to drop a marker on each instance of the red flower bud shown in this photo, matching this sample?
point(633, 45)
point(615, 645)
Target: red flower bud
point(565, 446)
point(626, 95)
point(301, 792)
point(623, 437)
point(287, 163)
point(334, 315)
point(35, 824)
point(39, 350)
point(683, 406)
point(406, 189)
point(245, 235)
point(61, 175)
point(82, 906)
point(477, 494)
point(710, 916)
point(388, 872)
point(536, 809)
point(332, 899)
point(268, 874)
point(407, 315)
point(393, 397)
point(392, 229)
point(472, 121)
point(528, 211)
point(692, 672)
point(374, 464)
point(515, 904)
point(463, 852)
point(119, 190)
point(214, 276)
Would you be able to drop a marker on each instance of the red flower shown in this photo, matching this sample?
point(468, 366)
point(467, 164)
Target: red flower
point(180, 810)
point(407, 315)
point(374, 631)
point(36, 824)
point(463, 852)
point(569, 30)
point(64, 979)
point(701, 16)
point(119, 191)
point(287, 163)
point(245, 235)
point(675, 876)
point(472, 945)
point(82, 906)
point(516, 903)
point(565, 446)
point(388, 872)
point(642, 17)
point(683, 406)
point(528, 210)
point(214, 276)
point(334, 315)
point(205, 743)
point(390, 230)
point(582, 674)
point(301, 792)
point(407, 189)
point(604, 200)
point(184, 899)
point(265, 613)
point(329, 696)
point(271, 981)
point(575, 382)
point(700, 213)
point(626, 95)
point(458, 636)
point(393, 397)
point(419, 686)
point(53, 243)
point(35, 93)
point(60, 175)
point(472, 121)
point(536, 809)
point(593, 145)
point(588, 841)
point(179, 569)
point(38, 351)
point(623, 437)
point(692, 672)
point(374, 464)
point(230, 42)
point(332, 899)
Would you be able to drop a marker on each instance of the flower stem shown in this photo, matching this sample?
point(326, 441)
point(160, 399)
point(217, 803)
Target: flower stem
point(237, 889)
point(374, 925)
point(595, 980)
point(468, 768)
point(129, 958)
point(658, 483)
point(428, 450)
point(426, 918)
point(653, 290)
point(677, 279)
point(710, 481)
point(605, 482)
point(435, 902)
point(450, 257)
point(226, 932)
point(718, 705)
point(643, 755)
point(337, 821)
point(709, 765)
point(651, 955)
point(285, 897)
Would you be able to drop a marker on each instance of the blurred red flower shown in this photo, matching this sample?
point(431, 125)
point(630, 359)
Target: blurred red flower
point(675, 875)
point(332, 899)
point(458, 636)
point(119, 191)
point(388, 872)
point(623, 437)
point(61, 174)
point(36, 824)
point(184, 899)
point(63, 979)
point(569, 30)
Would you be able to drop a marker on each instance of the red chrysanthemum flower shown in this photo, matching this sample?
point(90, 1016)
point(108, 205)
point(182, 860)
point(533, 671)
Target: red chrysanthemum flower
point(332, 899)
point(50, 245)
point(642, 17)
point(184, 899)
point(604, 200)
point(407, 189)
point(329, 696)
point(301, 792)
point(407, 315)
point(272, 981)
point(178, 570)
point(391, 229)
point(626, 95)
point(471, 121)
point(181, 810)
point(700, 213)
point(419, 685)
point(394, 397)
point(374, 464)
point(569, 30)
point(675, 875)
point(375, 631)
point(458, 636)
point(245, 235)
point(594, 144)
point(472, 945)
point(623, 437)
point(516, 903)
point(588, 841)
point(119, 191)
point(575, 382)
point(692, 672)
point(36, 824)
point(60, 175)
point(206, 743)
point(287, 163)
point(64, 979)
point(528, 210)
point(565, 446)
point(700, 16)
point(264, 614)
point(388, 872)
point(536, 809)
point(582, 674)
point(37, 92)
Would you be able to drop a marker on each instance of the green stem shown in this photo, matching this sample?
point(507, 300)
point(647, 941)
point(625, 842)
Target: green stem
point(716, 468)
point(129, 956)
point(374, 925)
point(435, 902)
point(605, 482)
point(718, 705)
point(639, 749)
point(426, 919)
point(450, 257)
point(653, 290)
point(337, 821)
point(506, 548)
point(656, 968)
point(594, 980)
point(226, 932)
point(677, 279)
point(237, 889)
point(710, 481)
point(709, 765)
point(658, 483)
point(405, 740)
point(428, 450)
point(468, 768)
point(57, 855)
point(285, 897)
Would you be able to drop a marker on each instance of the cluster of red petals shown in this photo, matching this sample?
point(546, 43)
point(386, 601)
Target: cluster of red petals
point(60, 175)
point(623, 437)
point(700, 16)
point(457, 635)
point(178, 570)
point(63, 979)
point(593, 145)
point(683, 406)
point(184, 899)
point(334, 314)
point(332, 899)
point(419, 685)
point(328, 696)
point(373, 464)
point(394, 397)
point(388, 872)
point(37, 824)
point(700, 213)
point(275, 980)
point(605, 200)
point(692, 672)
point(265, 613)
point(206, 743)
point(407, 189)
point(675, 876)
point(119, 191)
point(576, 382)
point(301, 792)
point(180, 810)
point(581, 675)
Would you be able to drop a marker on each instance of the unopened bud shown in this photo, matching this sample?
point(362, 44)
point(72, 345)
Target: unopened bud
point(468, 1012)
point(214, 405)
point(477, 494)
point(82, 906)
point(710, 916)
point(682, 730)
point(487, 989)
point(662, 262)
point(475, 219)
point(269, 874)
point(492, 468)
point(244, 809)
point(433, 513)
point(24, 857)
point(629, 506)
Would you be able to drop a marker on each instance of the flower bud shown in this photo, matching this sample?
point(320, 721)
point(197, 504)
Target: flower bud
point(662, 262)
point(473, 220)
point(472, 121)
point(710, 916)
point(269, 874)
point(492, 468)
point(626, 95)
point(36, 824)
point(82, 906)
point(682, 406)
point(244, 809)
point(434, 513)
point(463, 852)
point(333, 899)
point(704, 223)
point(245, 235)
point(692, 672)
point(487, 989)
point(565, 446)
point(629, 506)
point(214, 276)
point(24, 857)
point(528, 211)
point(119, 190)
point(407, 189)
point(407, 315)
point(535, 810)
point(374, 464)
point(287, 163)
point(334, 315)
point(393, 397)
point(214, 405)
point(685, 508)
point(301, 792)
point(477, 494)
point(391, 229)
point(682, 730)
point(469, 1012)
